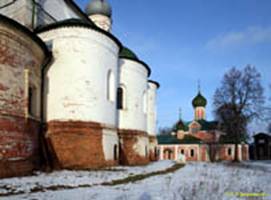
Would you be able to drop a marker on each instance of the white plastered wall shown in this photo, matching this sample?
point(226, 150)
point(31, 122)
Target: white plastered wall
point(76, 82)
point(152, 110)
point(133, 76)
point(141, 147)
point(110, 139)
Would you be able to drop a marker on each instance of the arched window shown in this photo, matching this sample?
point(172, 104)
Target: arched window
point(145, 102)
point(229, 152)
point(32, 101)
point(111, 86)
point(121, 98)
point(168, 154)
point(192, 152)
point(182, 151)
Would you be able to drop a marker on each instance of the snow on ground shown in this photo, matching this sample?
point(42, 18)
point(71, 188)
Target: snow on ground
point(196, 181)
point(76, 178)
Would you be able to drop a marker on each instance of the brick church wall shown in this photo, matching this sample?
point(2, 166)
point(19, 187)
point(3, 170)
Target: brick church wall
point(76, 145)
point(19, 146)
point(19, 132)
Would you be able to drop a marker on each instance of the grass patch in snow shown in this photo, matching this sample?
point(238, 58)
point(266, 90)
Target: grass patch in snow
point(139, 177)
point(10, 191)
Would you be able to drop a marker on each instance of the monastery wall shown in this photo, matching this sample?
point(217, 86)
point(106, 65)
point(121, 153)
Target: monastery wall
point(20, 69)
point(133, 79)
point(151, 109)
point(80, 97)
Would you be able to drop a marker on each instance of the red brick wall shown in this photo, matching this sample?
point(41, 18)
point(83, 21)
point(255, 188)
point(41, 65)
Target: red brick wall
point(128, 155)
point(204, 152)
point(205, 136)
point(76, 145)
point(19, 143)
point(19, 146)
point(188, 153)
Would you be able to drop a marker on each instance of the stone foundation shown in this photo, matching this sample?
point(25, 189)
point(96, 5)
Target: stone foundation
point(76, 145)
point(133, 147)
point(19, 146)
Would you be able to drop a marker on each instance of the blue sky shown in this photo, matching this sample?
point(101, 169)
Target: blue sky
point(186, 40)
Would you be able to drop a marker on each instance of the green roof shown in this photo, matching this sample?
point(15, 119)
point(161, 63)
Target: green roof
point(199, 101)
point(205, 125)
point(127, 53)
point(171, 139)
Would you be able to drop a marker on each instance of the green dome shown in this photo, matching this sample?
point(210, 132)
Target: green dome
point(127, 53)
point(199, 101)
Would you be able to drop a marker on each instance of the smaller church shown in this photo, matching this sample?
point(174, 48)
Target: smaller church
point(199, 139)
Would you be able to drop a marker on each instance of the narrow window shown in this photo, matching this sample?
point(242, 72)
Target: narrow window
point(121, 98)
point(115, 152)
point(110, 86)
point(146, 151)
point(229, 152)
point(31, 101)
point(192, 152)
point(182, 151)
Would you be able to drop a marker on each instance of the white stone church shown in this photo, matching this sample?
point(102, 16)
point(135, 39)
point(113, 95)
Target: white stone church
point(71, 94)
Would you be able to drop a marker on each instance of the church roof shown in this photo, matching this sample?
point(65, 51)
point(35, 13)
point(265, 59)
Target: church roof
point(205, 125)
point(99, 7)
point(127, 53)
point(199, 101)
point(155, 82)
point(74, 22)
point(171, 139)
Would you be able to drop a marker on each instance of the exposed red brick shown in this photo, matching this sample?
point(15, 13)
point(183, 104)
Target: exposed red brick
point(205, 136)
point(128, 156)
point(3, 87)
point(76, 145)
point(19, 146)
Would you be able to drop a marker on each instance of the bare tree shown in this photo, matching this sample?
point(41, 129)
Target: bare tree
point(238, 101)
point(164, 131)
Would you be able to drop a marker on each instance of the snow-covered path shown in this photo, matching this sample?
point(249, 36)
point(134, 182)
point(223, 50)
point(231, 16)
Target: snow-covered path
point(201, 181)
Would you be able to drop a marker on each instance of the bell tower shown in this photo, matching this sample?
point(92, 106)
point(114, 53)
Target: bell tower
point(100, 12)
point(199, 103)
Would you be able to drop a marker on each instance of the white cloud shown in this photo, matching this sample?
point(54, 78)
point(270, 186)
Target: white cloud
point(250, 36)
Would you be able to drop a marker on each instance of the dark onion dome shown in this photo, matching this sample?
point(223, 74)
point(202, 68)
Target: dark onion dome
point(199, 101)
point(180, 125)
point(99, 7)
point(127, 53)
